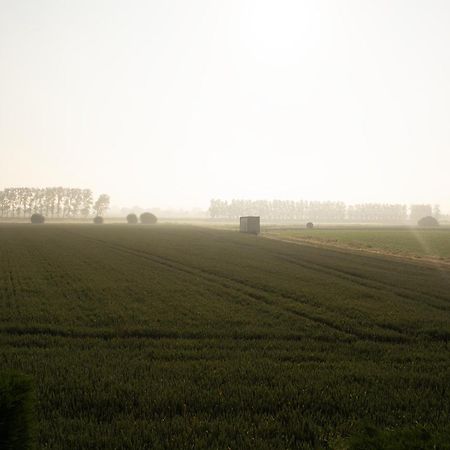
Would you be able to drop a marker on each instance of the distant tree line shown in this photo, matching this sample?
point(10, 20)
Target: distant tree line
point(320, 211)
point(57, 202)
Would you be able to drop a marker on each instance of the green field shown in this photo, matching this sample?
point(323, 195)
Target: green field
point(186, 337)
point(404, 241)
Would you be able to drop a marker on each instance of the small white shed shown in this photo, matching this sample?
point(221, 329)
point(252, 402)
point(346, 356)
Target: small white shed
point(250, 224)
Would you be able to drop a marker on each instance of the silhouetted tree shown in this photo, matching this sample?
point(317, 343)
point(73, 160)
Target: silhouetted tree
point(377, 213)
point(308, 211)
point(132, 219)
point(102, 204)
point(37, 218)
point(3, 204)
point(436, 212)
point(86, 202)
point(98, 220)
point(148, 218)
point(310, 225)
point(428, 221)
point(420, 211)
point(51, 201)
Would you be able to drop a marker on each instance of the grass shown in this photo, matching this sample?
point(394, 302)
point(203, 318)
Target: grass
point(16, 412)
point(404, 241)
point(186, 337)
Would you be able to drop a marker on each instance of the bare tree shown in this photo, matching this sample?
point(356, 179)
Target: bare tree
point(86, 202)
point(53, 201)
point(102, 204)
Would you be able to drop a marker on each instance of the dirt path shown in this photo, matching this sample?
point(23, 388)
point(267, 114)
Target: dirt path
point(425, 260)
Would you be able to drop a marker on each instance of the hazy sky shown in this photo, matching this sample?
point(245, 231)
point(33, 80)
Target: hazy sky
point(171, 103)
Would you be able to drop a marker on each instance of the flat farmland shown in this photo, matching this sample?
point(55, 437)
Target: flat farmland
point(422, 243)
point(187, 337)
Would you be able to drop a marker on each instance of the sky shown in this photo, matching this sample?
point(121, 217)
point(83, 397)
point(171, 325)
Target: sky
point(169, 103)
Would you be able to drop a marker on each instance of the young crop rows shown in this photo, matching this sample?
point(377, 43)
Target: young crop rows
point(185, 337)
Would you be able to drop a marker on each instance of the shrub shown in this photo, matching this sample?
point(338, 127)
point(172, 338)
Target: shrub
point(310, 225)
point(428, 221)
point(148, 218)
point(98, 220)
point(132, 219)
point(37, 218)
point(16, 412)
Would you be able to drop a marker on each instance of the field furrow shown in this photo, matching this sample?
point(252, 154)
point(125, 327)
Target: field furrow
point(187, 337)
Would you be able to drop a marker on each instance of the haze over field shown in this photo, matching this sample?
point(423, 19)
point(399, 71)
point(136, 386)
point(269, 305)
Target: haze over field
point(172, 103)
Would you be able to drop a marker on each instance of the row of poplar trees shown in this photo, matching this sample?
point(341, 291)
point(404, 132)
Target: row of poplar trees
point(320, 211)
point(59, 202)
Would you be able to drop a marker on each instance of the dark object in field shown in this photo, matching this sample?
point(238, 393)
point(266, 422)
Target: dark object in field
point(428, 221)
point(250, 224)
point(37, 218)
point(310, 225)
point(98, 220)
point(16, 412)
point(132, 219)
point(148, 218)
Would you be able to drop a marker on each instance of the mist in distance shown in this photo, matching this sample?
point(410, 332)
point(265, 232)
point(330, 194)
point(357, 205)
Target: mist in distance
point(171, 104)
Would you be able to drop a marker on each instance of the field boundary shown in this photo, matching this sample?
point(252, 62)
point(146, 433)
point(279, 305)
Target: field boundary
point(428, 261)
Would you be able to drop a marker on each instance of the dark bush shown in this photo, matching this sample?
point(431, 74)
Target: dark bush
point(148, 218)
point(428, 221)
point(37, 218)
point(17, 421)
point(310, 225)
point(132, 219)
point(98, 220)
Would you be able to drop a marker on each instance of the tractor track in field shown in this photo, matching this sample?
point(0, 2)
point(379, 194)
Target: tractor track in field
point(155, 334)
point(229, 284)
point(432, 262)
point(360, 280)
point(409, 295)
point(261, 295)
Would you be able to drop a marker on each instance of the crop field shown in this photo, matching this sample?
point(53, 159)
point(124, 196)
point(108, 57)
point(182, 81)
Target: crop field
point(433, 244)
point(183, 337)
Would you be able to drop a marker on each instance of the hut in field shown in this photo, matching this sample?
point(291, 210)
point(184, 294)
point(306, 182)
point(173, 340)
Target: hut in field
point(250, 224)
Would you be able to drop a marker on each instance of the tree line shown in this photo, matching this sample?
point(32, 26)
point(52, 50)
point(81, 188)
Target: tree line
point(57, 202)
point(320, 211)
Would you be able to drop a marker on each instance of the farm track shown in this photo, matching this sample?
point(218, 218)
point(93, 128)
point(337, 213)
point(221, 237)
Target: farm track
point(433, 262)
